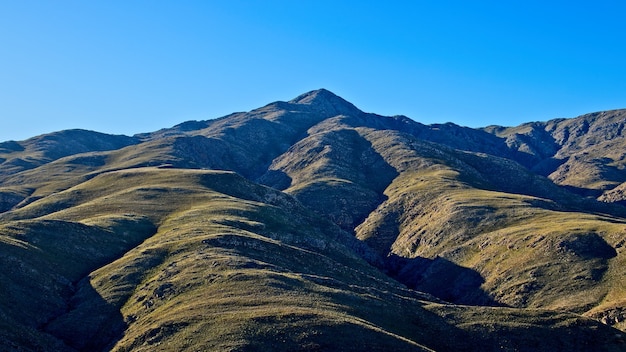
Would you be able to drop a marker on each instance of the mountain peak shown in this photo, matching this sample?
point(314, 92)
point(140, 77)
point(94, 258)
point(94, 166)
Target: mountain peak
point(323, 99)
point(314, 95)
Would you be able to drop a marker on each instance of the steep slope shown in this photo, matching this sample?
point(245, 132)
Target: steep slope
point(339, 164)
point(585, 154)
point(148, 244)
point(248, 142)
point(443, 215)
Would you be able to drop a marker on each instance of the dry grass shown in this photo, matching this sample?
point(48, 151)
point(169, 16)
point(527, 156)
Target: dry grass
point(137, 248)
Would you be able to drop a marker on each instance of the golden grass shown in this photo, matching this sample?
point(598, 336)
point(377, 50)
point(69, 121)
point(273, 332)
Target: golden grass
point(515, 242)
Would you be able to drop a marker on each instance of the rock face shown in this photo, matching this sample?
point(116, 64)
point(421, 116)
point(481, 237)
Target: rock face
point(302, 224)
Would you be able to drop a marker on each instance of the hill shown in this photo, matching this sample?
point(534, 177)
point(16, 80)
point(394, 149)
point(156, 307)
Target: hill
point(304, 224)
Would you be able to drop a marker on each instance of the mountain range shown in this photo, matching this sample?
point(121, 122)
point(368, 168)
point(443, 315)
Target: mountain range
point(312, 225)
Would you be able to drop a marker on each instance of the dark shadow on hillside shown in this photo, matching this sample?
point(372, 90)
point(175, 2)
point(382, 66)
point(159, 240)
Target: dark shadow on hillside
point(440, 278)
point(504, 176)
point(276, 179)
point(587, 246)
point(90, 324)
point(588, 202)
point(583, 192)
point(347, 186)
point(543, 167)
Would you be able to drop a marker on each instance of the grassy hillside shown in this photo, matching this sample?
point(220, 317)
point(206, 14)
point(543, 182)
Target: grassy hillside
point(368, 233)
point(585, 154)
point(224, 264)
point(37, 151)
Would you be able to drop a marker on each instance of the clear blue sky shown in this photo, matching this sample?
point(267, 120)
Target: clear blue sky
point(135, 66)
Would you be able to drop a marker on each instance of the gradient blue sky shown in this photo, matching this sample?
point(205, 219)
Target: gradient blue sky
point(133, 66)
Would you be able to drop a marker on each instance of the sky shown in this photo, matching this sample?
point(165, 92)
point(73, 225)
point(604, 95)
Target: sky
point(132, 66)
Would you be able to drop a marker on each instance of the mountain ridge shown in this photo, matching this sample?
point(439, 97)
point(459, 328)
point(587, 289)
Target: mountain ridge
point(310, 219)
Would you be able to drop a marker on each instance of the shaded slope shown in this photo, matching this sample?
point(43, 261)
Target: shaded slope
point(43, 260)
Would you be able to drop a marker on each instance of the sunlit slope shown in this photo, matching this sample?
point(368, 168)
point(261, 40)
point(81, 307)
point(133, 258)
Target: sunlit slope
point(410, 237)
point(17, 156)
point(230, 244)
point(242, 142)
point(468, 227)
point(586, 153)
point(237, 272)
point(28, 169)
point(170, 259)
point(459, 226)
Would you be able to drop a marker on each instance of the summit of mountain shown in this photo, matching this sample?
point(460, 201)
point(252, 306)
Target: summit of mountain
point(304, 223)
point(326, 102)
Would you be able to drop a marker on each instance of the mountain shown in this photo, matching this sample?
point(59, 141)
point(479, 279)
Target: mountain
point(312, 225)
